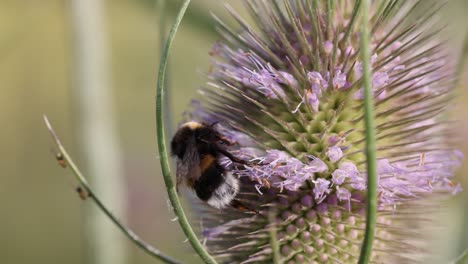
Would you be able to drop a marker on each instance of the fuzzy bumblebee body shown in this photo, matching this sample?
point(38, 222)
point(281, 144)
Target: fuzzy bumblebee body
point(197, 147)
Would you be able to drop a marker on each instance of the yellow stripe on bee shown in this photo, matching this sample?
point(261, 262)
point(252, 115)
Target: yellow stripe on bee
point(206, 162)
point(192, 125)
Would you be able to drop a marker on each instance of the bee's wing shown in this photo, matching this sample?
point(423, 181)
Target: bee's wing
point(189, 166)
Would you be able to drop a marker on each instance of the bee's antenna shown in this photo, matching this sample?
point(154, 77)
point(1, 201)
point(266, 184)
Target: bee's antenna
point(214, 123)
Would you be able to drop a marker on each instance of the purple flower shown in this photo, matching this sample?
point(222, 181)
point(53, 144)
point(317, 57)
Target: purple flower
point(339, 80)
point(339, 176)
point(344, 195)
point(312, 100)
point(334, 153)
point(350, 168)
point(288, 91)
point(321, 189)
point(318, 84)
point(328, 46)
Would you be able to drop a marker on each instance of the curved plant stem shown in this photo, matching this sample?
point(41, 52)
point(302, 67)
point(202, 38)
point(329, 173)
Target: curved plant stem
point(463, 258)
point(197, 18)
point(84, 183)
point(366, 248)
point(171, 190)
point(161, 6)
point(161, 11)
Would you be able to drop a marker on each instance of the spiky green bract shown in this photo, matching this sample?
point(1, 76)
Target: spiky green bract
point(288, 90)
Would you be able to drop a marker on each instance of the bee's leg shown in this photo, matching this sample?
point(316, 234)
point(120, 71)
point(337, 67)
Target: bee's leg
point(240, 161)
point(214, 123)
point(266, 183)
point(227, 141)
point(178, 182)
point(240, 206)
point(234, 159)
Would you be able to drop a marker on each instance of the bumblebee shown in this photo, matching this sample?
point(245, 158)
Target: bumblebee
point(197, 148)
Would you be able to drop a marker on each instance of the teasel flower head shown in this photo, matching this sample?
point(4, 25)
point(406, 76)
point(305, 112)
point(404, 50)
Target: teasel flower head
point(287, 89)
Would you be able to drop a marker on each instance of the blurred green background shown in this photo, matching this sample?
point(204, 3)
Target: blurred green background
point(42, 220)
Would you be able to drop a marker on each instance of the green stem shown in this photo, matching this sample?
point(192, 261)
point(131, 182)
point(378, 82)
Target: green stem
point(366, 248)
point(171, 190)
point(197, 18)
point(161, 6)
point(463, 258)
point(84, 183)
point(162, 10)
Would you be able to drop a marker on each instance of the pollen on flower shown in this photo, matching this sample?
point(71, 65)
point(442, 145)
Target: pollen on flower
point(288, 92)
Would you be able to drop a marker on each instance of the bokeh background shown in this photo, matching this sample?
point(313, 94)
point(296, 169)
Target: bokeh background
point(42, 219)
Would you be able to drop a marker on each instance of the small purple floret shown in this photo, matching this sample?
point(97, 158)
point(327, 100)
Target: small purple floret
point(334, 153)
point(339, 176)
point(321, 189)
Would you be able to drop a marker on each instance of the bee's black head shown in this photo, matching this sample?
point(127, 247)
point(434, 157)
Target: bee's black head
point(181, 139)
point(195, 135)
